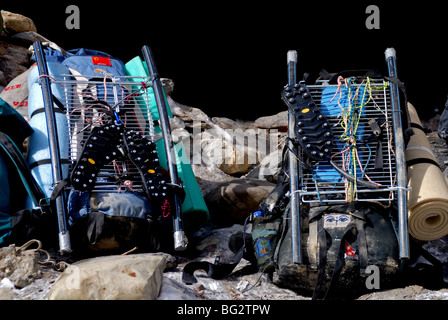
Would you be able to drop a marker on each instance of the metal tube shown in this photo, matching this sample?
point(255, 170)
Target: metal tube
point(180, 240)
point(403, 235)
point(64, 237)
point(293, 170)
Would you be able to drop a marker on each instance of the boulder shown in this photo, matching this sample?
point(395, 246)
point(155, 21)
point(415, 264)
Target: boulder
point(14, 60)
point(20, 267)
point(209, 177)
point(131, 277)
point(278, 121)
point(189, 114)
point(268, 168)
point(225, 123)
point(14, 22)
point(229, 157)
point(231, 202)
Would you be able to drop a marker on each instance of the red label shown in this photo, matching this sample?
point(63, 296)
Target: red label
point(350, 251)
point(17, 86)
point(101, 61)
point(20, 103)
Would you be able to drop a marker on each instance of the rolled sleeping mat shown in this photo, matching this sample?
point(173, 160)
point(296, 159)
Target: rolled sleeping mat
point(38, 145)
point(428, 198)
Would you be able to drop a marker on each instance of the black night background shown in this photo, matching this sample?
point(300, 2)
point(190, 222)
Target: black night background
point(229, 58)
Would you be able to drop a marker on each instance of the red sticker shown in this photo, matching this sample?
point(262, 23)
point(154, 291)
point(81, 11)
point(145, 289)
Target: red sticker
point(101, 61)
point(350, 251)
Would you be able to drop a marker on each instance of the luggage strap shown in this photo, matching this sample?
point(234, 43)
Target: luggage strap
point(30, 183)
point(217, 270)
point(359, 226)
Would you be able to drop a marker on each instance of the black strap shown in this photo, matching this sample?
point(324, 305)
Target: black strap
point(95, 223)
point(47, 161)
point(408, 132)
point(355, 73)
point(421, 160)
point(61, 108)
point(216, 270)
point(417, 126)
point(322, 245)
point(25, 173)
point(177, 189)
point(359, 226)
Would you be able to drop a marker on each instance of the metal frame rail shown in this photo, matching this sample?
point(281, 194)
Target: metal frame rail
point(52, 131)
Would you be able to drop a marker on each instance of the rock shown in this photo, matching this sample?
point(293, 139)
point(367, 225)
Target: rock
point(6, 283)
point(189, 114)
point(231, 202)
point(132, 277)
point(209, 177)
point(14, 60)
point(21, 268)
point(174, 290)
point(2, 30)
point(408, 293)
point(278, 121)
point(269, 167)
point(6, 294)
point(234, 151)
point(168, 85)
point(225, 123)
point(217, 150)
point(26, 270)
point(14, 22)
point(27, 38)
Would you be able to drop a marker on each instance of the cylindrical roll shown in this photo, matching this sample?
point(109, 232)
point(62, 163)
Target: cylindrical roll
point(428, 197)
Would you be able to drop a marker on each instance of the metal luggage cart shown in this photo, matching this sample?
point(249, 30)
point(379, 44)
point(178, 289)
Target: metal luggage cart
point(368, 143)
point(83, 96)
point(87, 102)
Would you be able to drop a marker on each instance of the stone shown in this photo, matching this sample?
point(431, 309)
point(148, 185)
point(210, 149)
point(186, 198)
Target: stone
point(219, 151)
point(130, 277)
point(14, 60)
point(414, 292)
point(6, 294)
point(268, 168)
point(209, 177)
point(168, 85)
point(278, 121)
point(21, 268)
point(231, 202)
point(225, 123)
point(188, 114)
point(14, 22)
point(234, 151)
point(2, 30)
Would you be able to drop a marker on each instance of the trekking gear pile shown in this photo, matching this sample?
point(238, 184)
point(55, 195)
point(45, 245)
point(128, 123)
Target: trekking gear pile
point(336, 223)
point(93, 158)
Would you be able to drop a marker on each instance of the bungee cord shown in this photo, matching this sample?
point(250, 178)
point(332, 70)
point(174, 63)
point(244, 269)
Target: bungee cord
point(352, 102)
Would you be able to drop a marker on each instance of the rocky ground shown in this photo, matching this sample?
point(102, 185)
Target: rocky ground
point(232, 190)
